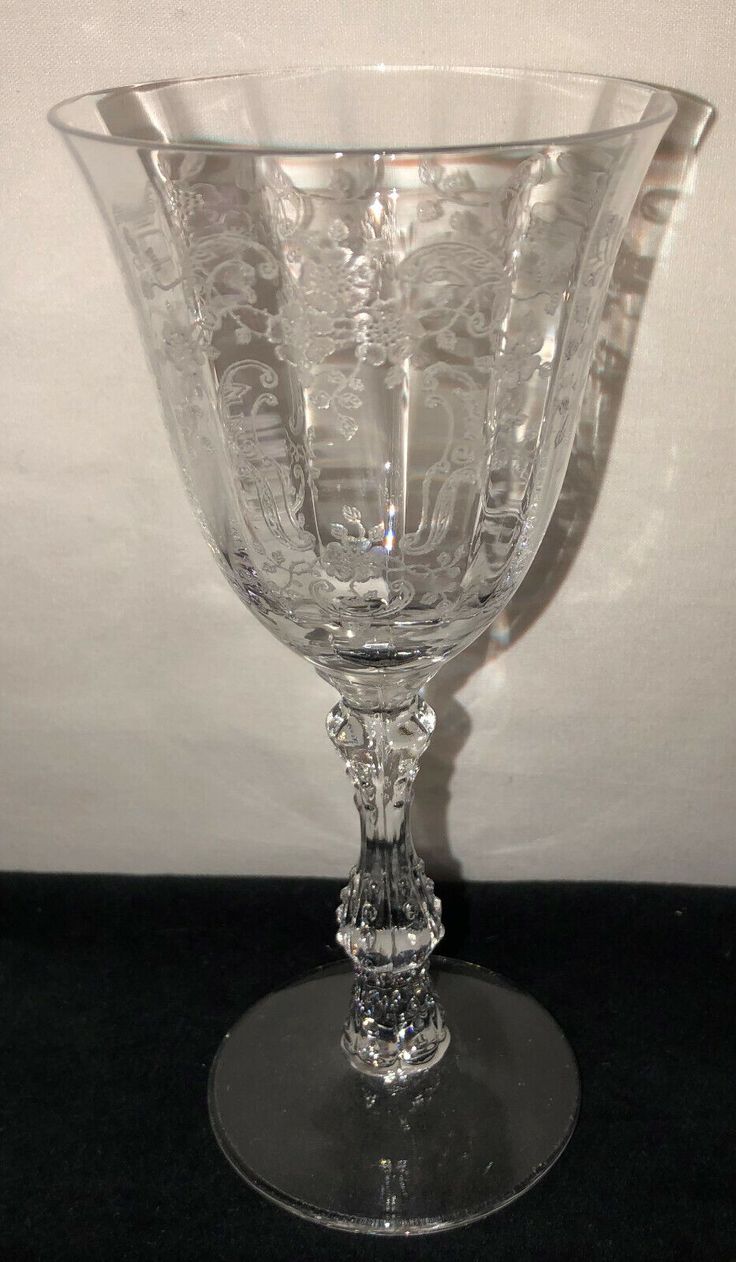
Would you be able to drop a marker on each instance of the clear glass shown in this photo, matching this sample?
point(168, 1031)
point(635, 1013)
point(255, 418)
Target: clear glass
point(370, 298)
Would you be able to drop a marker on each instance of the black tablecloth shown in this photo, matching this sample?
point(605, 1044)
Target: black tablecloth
point(117, 991)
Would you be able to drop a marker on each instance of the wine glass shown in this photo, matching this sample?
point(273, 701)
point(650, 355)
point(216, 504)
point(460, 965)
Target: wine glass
point(370, 298)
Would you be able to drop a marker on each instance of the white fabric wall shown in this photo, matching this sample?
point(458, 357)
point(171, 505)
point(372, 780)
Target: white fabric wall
point(149, 724)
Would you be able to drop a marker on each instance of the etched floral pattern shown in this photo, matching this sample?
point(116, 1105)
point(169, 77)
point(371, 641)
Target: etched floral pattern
point(384, 362)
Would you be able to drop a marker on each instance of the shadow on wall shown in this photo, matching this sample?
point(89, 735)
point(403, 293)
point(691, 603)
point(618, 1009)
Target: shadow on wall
point(668, 182)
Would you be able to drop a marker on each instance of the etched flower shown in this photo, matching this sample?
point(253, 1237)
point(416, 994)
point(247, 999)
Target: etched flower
point(446, 340)
point(331, 285)
point(385, 333)
point(519, 358)
point(184, 202)
point(182, 347)
point(336, 280)
point(339, 562)
point(338, 232)
point(301, 335)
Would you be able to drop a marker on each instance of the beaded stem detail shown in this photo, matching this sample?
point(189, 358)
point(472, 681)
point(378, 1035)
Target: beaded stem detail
point(389, 917)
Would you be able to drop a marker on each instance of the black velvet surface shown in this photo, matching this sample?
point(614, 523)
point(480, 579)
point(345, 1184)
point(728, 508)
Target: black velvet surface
point(117, 990)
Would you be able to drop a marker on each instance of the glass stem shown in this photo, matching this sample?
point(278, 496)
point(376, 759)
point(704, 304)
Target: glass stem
point(388, 918)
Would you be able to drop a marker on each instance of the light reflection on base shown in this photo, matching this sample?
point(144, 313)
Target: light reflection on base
point(435, 1151)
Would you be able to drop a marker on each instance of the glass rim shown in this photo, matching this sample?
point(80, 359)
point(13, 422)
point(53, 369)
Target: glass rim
point(664, 114)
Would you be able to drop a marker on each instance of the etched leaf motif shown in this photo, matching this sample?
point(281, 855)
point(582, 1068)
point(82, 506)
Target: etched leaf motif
point(429, 209)
point(429, 172)
point(472, 328)
point(347, 426)
point(457, 181)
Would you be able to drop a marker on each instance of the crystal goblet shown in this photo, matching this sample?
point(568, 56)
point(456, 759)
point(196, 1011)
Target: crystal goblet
point(370, 297)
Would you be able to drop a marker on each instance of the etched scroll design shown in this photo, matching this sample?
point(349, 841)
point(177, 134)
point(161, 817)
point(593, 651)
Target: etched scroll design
point(276, 315)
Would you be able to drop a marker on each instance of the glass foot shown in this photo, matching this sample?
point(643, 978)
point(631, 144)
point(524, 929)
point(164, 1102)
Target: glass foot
point(446, 1146)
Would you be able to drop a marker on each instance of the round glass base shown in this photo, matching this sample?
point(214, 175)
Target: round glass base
point(446, 1146)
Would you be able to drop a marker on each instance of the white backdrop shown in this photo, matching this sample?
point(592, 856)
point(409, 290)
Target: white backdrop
point(149, 724)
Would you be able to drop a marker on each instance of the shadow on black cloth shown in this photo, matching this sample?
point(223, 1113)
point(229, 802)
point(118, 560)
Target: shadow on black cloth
point(118, 990)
